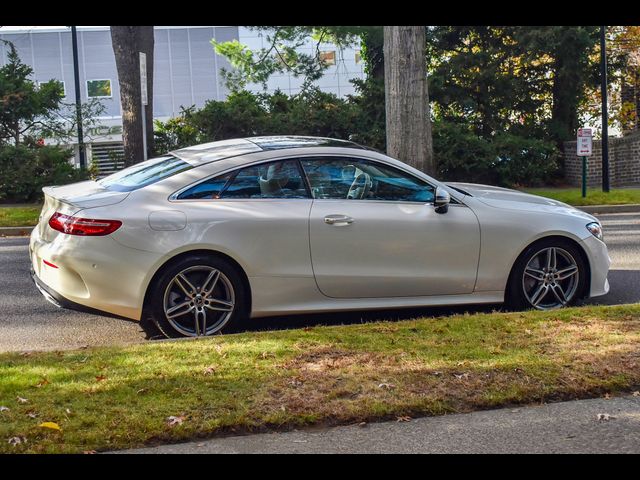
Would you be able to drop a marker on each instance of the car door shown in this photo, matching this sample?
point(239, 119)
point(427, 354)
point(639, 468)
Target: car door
point(258, 214)
point(374, 232)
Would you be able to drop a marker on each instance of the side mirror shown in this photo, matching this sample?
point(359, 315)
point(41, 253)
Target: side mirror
point(442, 200)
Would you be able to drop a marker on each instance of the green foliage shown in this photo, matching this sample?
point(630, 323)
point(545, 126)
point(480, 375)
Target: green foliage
point(25, 170)
point(527, 81)
point(177, 132)
point(244, 114)
point(282, 53)
point(369, 126)
point(505, 159)
point(29, 111)
point(22, 102)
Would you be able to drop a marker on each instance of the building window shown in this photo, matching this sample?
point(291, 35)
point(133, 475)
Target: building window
point(328, 57)
point(358, 57)
point(98, 88)
point(39, 83)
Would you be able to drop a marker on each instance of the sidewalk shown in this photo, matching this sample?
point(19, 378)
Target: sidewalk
point(582, 426)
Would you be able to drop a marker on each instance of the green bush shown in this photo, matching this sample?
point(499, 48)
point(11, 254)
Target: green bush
point(246, 114)
point(25, 170)
point(506, 159)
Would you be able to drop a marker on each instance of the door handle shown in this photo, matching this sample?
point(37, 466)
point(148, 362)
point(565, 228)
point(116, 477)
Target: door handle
point(338, 220)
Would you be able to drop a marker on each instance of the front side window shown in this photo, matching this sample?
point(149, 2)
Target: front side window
point(143, 174)
point(281, 179)
point(355, 179)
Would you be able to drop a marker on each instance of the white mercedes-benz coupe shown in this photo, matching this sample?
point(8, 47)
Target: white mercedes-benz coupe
point(202, 238)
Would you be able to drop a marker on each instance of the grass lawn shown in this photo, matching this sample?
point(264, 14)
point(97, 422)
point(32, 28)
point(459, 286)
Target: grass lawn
point(112, 398)
point(573, 196)
point(19, 216)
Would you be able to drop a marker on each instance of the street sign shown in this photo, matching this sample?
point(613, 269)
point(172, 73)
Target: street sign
point(143, 94)
point(143, 77)
point(585, 144)
point(584, 150)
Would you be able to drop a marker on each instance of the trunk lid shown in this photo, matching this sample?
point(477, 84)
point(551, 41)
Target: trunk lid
point(70, 199)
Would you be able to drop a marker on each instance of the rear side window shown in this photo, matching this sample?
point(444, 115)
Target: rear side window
point(280, 179)
point(145, 173)
point(208, 189)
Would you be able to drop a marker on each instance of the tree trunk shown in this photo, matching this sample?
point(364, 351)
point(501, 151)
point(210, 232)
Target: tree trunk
point(407, 98)
point(127, 42)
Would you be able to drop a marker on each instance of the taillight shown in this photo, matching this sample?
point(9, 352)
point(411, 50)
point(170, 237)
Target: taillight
point(83, 226)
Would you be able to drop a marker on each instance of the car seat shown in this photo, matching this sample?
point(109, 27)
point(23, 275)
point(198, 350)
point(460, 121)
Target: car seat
point(272, 183)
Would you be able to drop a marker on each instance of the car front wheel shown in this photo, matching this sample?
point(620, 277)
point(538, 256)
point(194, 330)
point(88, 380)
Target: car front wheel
point(198, 296)
point(550, 274)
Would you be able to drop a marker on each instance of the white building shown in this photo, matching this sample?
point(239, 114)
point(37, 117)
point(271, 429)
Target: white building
point(186, 70)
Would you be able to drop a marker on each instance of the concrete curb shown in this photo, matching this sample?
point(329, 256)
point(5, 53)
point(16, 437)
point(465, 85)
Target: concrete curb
point(631, 208)
point(15, 231)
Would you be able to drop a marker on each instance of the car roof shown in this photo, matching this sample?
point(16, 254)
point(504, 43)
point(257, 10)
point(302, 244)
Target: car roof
point(214, 151)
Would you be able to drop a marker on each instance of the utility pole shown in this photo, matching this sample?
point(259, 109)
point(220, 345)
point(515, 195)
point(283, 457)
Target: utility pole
point(76, 77)
point(605, 113)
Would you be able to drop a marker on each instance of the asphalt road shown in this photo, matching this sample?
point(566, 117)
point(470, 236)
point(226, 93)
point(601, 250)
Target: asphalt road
point(583, 426)
point(29, 322)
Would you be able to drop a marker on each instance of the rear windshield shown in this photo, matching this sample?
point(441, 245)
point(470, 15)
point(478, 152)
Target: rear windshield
point(143, 174)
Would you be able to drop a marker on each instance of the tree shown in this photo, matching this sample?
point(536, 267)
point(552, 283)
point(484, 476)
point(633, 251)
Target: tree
point(24, 105)
point(572, 68)
point(282, 54)
point(61, 125)
point(528, 81)
point(127, 42)
point(623, 62)
point(407, 98)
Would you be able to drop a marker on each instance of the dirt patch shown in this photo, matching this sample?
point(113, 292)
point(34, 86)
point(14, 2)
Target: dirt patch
point(330, 358)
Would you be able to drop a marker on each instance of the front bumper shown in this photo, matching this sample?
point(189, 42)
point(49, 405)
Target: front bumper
point(599, 262)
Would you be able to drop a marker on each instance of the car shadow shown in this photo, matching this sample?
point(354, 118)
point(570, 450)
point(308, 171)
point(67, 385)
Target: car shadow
point(624, 288)
point(362, 316)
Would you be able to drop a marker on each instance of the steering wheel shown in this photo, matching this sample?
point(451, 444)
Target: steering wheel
point(360, 186)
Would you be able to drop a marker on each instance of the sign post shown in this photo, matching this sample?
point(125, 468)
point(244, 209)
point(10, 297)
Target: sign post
point(584, 150)
point(143, 92)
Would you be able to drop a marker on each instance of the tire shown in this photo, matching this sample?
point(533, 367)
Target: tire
point(543, 288)
point(198, 295)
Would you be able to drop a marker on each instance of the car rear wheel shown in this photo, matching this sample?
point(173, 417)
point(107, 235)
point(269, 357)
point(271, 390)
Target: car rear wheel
point(550, 274)
point(198, 296)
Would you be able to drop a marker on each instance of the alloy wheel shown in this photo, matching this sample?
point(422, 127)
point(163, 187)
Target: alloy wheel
point(550, 278)
point(199, 301)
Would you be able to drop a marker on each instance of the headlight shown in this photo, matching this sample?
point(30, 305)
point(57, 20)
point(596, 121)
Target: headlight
point(596, 229)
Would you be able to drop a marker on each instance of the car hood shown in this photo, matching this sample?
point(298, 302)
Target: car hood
point(499, 197)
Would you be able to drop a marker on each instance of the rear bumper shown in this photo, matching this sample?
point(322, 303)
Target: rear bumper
point(95, 274)
point(61, 302)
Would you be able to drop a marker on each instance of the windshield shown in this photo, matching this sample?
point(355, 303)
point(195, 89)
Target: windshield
point(143, 174)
